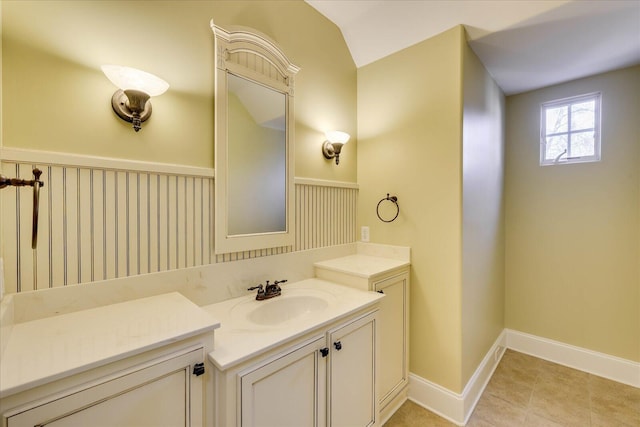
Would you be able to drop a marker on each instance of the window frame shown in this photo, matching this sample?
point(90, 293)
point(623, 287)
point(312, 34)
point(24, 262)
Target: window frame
point(568, 102)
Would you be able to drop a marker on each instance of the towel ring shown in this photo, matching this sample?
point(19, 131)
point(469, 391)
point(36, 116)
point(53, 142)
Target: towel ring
point(392, 199)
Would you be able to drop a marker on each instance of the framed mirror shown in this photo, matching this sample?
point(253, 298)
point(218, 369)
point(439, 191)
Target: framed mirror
point(254, 155)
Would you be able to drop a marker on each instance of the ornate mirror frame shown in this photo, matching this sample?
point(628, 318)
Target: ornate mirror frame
point(250, 55)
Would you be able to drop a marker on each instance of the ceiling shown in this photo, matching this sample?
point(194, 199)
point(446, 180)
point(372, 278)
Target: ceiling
point(524, 44)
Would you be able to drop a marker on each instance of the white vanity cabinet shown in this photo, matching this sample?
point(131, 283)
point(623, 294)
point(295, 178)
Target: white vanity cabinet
point(351, 374)
point(287, 390)
point(162, 392)
point(137, 363)
point(325, 379)
point(391, 277)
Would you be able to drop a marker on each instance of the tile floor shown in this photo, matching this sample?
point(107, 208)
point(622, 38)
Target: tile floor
point(531, 392)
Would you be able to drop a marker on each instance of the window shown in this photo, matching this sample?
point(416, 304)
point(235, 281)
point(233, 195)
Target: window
point(570, 130)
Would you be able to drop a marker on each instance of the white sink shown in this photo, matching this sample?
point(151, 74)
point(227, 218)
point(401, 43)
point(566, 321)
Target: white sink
point(250, 327)
point(276, 310)
point(293, 304)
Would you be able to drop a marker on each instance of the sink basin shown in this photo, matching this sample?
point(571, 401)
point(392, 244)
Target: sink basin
point(282, 309)
point(295, 305)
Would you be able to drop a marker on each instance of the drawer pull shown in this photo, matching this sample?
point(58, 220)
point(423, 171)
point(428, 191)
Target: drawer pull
point(198, 369)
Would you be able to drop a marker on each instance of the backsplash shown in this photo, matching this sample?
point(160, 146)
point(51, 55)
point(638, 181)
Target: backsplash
point(120, 219)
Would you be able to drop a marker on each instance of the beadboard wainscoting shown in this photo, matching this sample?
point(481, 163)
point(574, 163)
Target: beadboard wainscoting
point(326, 213)
point(102, 218)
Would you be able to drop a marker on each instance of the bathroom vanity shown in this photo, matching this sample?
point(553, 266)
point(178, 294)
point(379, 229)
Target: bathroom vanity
point(306, 358)
point(389, 276)
point(139, 362)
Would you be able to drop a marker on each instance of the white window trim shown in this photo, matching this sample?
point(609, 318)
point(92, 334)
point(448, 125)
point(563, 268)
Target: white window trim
point(597, 129)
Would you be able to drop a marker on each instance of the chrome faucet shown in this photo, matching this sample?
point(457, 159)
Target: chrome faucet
point(269, 290)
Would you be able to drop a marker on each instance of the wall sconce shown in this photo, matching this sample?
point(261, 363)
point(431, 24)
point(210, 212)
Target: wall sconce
point(130, 101)
point(333, 145)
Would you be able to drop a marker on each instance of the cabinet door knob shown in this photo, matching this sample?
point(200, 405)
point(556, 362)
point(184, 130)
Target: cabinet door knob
point(324, 351)
point(338, 345)
point(198, 369)
point(381, 291)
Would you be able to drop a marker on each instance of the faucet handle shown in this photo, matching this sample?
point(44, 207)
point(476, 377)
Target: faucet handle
point(253, 288)
point(280, 281)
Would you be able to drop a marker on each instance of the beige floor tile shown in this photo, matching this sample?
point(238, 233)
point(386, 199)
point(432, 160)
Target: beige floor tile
point(606, 420)
point(615, 409)
point(549, 401)
point(519, 367)
point(533, 420)
point(530, 392)
point(497, 412)
point(506, 388)
point(562, 389)
point(563, 376)
point(477, 422)
point(413, 415)
point(614, 402)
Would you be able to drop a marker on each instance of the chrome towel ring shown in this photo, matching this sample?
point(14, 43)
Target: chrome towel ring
point(392, 199)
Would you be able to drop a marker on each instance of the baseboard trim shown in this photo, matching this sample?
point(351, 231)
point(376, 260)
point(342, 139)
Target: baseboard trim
point(393, 405)
point(600, 364)
point(455, 407)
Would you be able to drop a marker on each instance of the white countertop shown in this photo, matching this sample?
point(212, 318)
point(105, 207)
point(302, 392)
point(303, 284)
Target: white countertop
point(44, 350)
point(238, 339)
point(361, 265)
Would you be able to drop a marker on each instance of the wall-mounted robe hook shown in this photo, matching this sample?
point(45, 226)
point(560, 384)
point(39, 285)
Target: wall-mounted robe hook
point(36, 184)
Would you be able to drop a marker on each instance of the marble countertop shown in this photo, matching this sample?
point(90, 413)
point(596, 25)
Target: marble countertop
point(44, 350)
point(239, 339)
point(361, 265)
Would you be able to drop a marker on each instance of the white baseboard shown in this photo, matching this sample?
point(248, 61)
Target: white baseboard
point(455, 407)
point(393, 405)
point(600, 364)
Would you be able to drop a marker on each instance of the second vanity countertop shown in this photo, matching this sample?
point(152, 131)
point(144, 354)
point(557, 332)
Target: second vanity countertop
point(361, 265)
point(239, 338)
point(44, 350)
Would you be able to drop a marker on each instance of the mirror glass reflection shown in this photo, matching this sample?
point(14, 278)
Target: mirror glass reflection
point(257, 155)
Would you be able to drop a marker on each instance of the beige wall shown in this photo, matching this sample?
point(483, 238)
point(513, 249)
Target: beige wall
point(409, 130)
point(482, 214)
point(573, 231)
point(59, 100)
point(430, 129)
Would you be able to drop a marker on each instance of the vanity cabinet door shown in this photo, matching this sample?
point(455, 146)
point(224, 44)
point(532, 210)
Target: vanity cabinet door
point(393, 334)
point(287, 391)
point(352, 400)
point(160, 393)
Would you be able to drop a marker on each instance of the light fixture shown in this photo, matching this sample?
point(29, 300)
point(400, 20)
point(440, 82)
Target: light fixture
point(333, 145)
point(130, 101)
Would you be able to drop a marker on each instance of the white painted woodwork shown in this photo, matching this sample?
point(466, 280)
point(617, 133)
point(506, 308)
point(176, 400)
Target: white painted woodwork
point(393, 332)
point(352, 376)
point(325, 216)
point(105, 222)
point(248, 54)
point(294, 385)
point(161, 393)
point(98, 224)
point(287, 392)
point(393, 325)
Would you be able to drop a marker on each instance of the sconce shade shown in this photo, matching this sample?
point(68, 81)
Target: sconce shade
point(131, 78)
point(333, 145)
point(337, 137)
point(130, 102)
